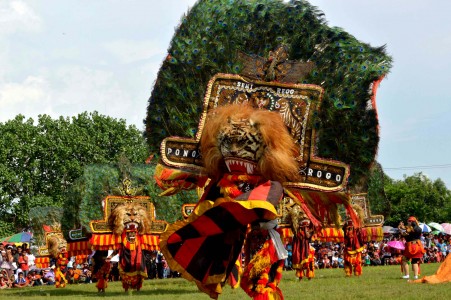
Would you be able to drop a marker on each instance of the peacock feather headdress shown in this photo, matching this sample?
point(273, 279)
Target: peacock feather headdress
point(215, 35)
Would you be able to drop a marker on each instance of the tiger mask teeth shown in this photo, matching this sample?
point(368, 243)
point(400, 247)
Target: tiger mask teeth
point(132, 225)
point(240, 166)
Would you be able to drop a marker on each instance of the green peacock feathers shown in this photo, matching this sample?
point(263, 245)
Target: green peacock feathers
point(212, 34)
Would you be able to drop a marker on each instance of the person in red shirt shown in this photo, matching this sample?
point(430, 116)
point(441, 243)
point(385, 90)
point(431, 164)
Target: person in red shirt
point(23, 262)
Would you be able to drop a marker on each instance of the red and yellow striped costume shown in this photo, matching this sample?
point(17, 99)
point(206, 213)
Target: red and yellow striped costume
point(263, 273)
point(102, 276)
point(303, 254)
point(353, 250)
point(61, 269)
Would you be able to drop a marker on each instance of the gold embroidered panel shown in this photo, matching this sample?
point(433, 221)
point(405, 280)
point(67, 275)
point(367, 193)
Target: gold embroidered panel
point(298, 105)
point(187, 209)
point(44, 250)
point(369, 220)
point(111, 202)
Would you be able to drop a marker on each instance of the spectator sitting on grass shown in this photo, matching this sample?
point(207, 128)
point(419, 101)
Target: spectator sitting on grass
point(341, 261)
point(77, 275)
point(335, 260)
point(70, 275)
point(16, 273)
point(49, 276)
point(367, 259)
point(86, 274)
point(21, 281)
point(443, 249)
point(375, 260)
point(4, 282)
point(386, 254)
point(34, 278)
point(326, 262)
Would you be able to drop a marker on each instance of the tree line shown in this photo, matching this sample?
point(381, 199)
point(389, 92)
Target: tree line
point(428, 200)
point(40, 161)
point(70, 162)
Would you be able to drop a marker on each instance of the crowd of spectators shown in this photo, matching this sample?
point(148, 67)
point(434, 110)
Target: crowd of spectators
point(330, 255)
point(18, 270)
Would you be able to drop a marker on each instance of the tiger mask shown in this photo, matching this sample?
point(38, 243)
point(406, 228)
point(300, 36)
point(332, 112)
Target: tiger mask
point(131, 217)
point(238, 137)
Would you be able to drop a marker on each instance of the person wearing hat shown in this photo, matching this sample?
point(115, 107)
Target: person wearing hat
point(353, 249)
point(8, 263)
point(3, 260)
point(303, 253)
point(414, 249)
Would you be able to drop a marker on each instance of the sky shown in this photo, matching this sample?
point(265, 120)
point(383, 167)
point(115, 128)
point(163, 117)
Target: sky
point(62, 58)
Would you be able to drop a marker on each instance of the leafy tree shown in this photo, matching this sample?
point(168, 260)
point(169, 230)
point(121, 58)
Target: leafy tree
point(419, 196)
point(39, 162)
point(378, 200)
point(84, 201)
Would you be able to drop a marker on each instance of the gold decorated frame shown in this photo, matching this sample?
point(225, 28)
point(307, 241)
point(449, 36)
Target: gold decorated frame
point(297, 104)
point(44, 250)
point(187, 209)
point(111, 202)
point(369, 220)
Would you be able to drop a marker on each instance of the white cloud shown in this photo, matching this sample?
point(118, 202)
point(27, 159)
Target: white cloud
point(18, 16)
point(128, 51)
point(31, 90)
point(65, 91)
point(27, 98)
point(77, 89)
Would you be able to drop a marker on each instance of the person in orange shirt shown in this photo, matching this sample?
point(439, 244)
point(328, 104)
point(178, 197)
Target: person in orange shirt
point(77, 274)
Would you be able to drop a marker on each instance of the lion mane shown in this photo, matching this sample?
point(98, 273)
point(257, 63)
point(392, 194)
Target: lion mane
point(55, 243)
point(278, 161)
point(129, 213)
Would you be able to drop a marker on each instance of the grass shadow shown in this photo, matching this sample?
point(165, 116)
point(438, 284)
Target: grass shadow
point(92, 292)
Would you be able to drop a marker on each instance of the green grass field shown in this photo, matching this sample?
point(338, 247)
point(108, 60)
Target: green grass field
point(376, 283)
